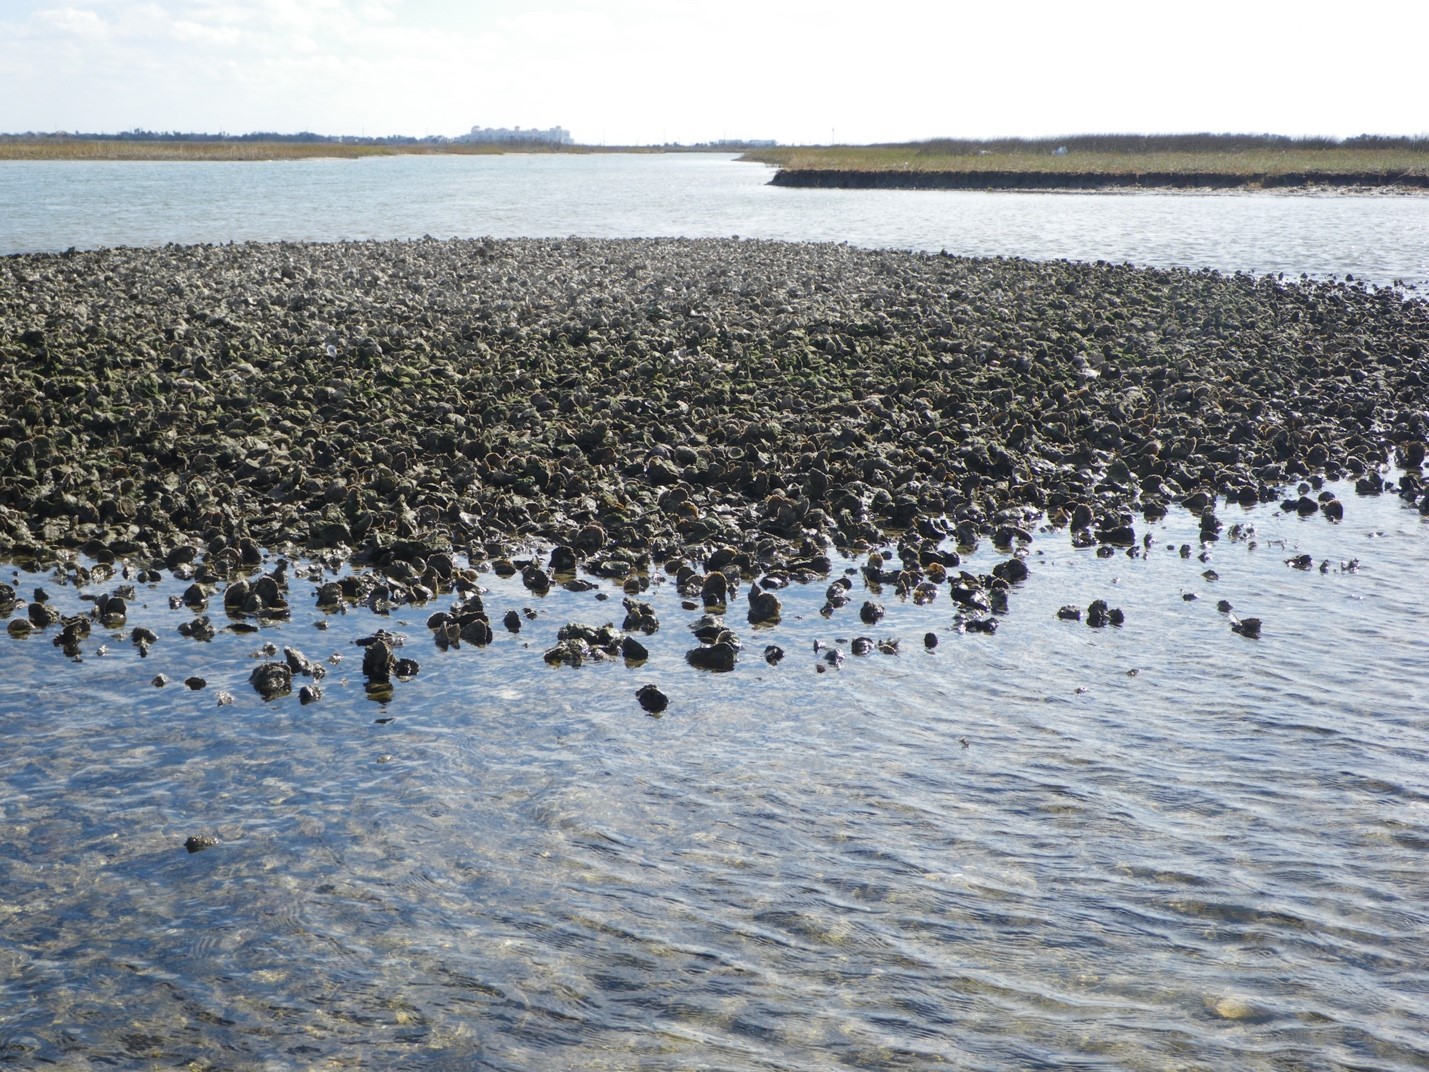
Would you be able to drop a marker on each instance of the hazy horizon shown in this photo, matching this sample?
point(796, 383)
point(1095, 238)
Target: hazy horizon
point(644, 72)
point(733, 140)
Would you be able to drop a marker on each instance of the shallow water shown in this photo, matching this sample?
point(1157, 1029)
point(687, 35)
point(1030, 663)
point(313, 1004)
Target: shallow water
point(1163, 844)
point(52, 205)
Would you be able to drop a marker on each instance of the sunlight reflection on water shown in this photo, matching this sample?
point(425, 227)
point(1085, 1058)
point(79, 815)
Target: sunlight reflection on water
point(52, 205)
point(1162, 843)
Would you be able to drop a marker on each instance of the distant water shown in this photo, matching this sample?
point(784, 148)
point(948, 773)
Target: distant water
point(54, 205)
point(1156, 846)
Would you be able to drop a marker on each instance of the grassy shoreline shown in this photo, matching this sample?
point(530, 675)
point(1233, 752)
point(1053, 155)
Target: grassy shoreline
point(16, 147)
point(1123, 161)
point(1077, 162)
point(238, 150)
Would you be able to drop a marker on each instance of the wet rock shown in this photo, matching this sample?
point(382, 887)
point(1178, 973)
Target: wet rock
point(378, 662)
point(639, 617)
point(720, 656)
point(329, 596)
point(722, 558)
point(604, 640)
point(446, 631)
point(42, 615)
point(475, 628)
point(179, 556)
point(199, 628)
point(512, 621)
point(1012, 571)
point(709, 628)
point(237, 596)
point(764, 607)
point(195, 682)
point(870, 613)
point(159, 681)
point(633, 651)
point(298, 663)
point(310, 694)
point(773, 653)
point(271, 680)
point(613, 567)
point(111, 610)
point(1070, 613)
point(569, 652)
point(199, 842)
point(1117, 535)
point(1246, 627)
point(861, 645)
point(930, 640)
point(967, 593)
point(73, 631)
point(651, 699)
point(715, 590)
point(19, 627)
point(589, 540)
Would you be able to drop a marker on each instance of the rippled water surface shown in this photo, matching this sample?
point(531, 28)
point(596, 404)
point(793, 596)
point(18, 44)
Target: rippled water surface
point(54, 205)
point(1154, 846)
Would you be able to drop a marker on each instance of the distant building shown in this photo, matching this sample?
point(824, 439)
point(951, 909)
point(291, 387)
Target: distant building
point(550, 136)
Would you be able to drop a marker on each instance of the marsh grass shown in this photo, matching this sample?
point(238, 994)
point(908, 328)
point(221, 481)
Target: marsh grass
point(1247, 155)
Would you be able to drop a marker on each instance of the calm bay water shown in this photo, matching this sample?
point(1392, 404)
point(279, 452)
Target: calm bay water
point(1160, 845)
point(54, 205)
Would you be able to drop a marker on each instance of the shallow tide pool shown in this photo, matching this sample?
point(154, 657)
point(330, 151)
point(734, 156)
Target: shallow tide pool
point(1156, 845)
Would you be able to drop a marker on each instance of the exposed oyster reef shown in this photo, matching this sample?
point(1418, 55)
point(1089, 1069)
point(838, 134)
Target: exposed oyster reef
point(652, 400)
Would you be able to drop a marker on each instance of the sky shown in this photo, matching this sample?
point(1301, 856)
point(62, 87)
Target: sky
point(619, 72)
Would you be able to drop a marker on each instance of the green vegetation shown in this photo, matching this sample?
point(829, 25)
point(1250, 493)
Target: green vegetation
point(1120, 154)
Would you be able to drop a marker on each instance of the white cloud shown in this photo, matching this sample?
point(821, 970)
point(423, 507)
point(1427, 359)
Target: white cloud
point(640, 70)
point(73, 21)
point(186, 32)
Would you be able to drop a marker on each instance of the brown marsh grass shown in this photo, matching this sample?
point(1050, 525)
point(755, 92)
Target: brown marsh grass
point(106, 149)
point(1119, 155)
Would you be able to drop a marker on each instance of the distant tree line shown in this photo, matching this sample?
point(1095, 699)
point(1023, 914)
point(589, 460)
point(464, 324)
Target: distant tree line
point(303, 137)
point(1161, 143)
